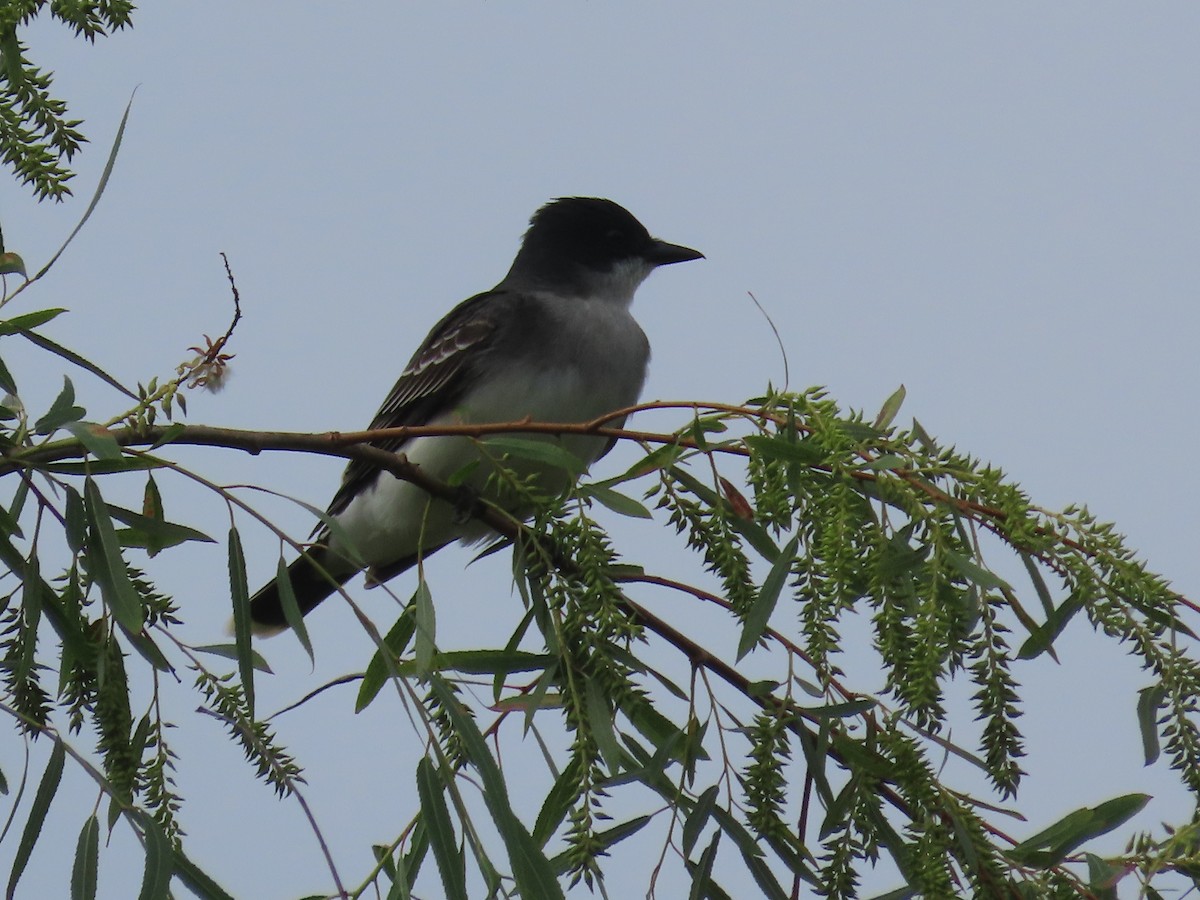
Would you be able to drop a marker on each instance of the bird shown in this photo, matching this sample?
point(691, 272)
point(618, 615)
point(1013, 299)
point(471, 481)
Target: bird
point(553, 341)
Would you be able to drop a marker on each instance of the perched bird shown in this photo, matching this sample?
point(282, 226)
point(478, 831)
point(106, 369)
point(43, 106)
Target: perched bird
point(554, 341)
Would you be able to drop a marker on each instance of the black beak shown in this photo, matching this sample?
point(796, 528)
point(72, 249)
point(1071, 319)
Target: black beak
point(661, 253)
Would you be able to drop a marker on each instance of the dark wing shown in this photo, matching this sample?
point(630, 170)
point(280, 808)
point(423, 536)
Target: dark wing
point(433, 381)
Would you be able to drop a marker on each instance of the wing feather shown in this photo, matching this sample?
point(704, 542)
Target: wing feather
point(433, 381)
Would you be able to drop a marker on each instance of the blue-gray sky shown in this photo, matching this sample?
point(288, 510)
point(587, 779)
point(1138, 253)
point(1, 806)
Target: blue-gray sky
point(997, 206)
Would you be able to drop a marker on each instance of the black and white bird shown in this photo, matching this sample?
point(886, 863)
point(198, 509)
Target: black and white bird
point(554, 341)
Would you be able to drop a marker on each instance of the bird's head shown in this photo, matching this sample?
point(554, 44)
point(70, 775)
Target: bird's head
point(591, 246)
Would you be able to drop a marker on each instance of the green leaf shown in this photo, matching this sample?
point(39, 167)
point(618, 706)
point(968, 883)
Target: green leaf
point(153, 534)
point(490, 662)
point(804, 452)
point(87, 861)
point(40, 340)
point(1149, 700)
point(1050, 846)
point(702, 874)
point(436, 818)
point(21, 323)
point(196, 879)
point(291, 609)
point(46, 790)
point(426, 645)
point(555, 807)
point(975, 573)
point(380, 667)
point(8, 384)
point(96, 438)
point(104, 466)
point(76, 520)
point(531, 870)
point(1042, 637)
point(616, 501)
point(759, 615)
point(231, 651)
point(156, 878)
point(239, 591)
point(1103, 876)
point(62, 410)
point(12, 264)
point(108, 566)
point(698, 818)
point(10, 526)
point(108, 167)
point(600, 718)
point(755, 534)
point(891, 406)
point(841, 710)
point(544, 452)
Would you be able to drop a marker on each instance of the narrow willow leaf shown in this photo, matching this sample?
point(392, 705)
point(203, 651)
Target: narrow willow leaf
point(1103, 876)
point(974, 572)
point(891, 406)
point(196, 879)
point(663, 457)
point(491, 662)
point(652, 724)
point(12, 264)
point(87, 861)
point(380, 667)
point(61, 411)
point(156, 877)
point(1051, 845)
point(755, 534)
point(780, 448)
point(116, 586)
point(40, 340)
point(600, 718)
point(231, 651)
point(8, 384)
point(841, 710)
point(108, 167)
point(544, 452)
point(1149, 700)
point(46, 790)
point(148, 650)
point(617, 502)
point(153, 533)
point(426, 644)
point(291, 609)
point(693, 826)
point(555, 807)
point(104, 466)
point(418, 850)
point(531, 870)
point(25, 321)
point(702, 874)
point(1039, 583)
point(436, 818)
point(9, 525)
point(760, 613)
point(242, 624)
point(1042, 637)
point(98, 440)
point(76, 515)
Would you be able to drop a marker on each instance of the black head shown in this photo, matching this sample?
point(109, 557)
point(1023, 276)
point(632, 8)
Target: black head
point(574, 240)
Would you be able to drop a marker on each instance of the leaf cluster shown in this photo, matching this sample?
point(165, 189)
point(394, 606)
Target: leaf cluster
point(801, 516)
point(37, 138)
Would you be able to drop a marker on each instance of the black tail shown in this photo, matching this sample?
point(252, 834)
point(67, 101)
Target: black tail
point(313, 576)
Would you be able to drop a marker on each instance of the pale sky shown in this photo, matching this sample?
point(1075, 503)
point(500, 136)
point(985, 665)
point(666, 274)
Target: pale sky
point(998, 207)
